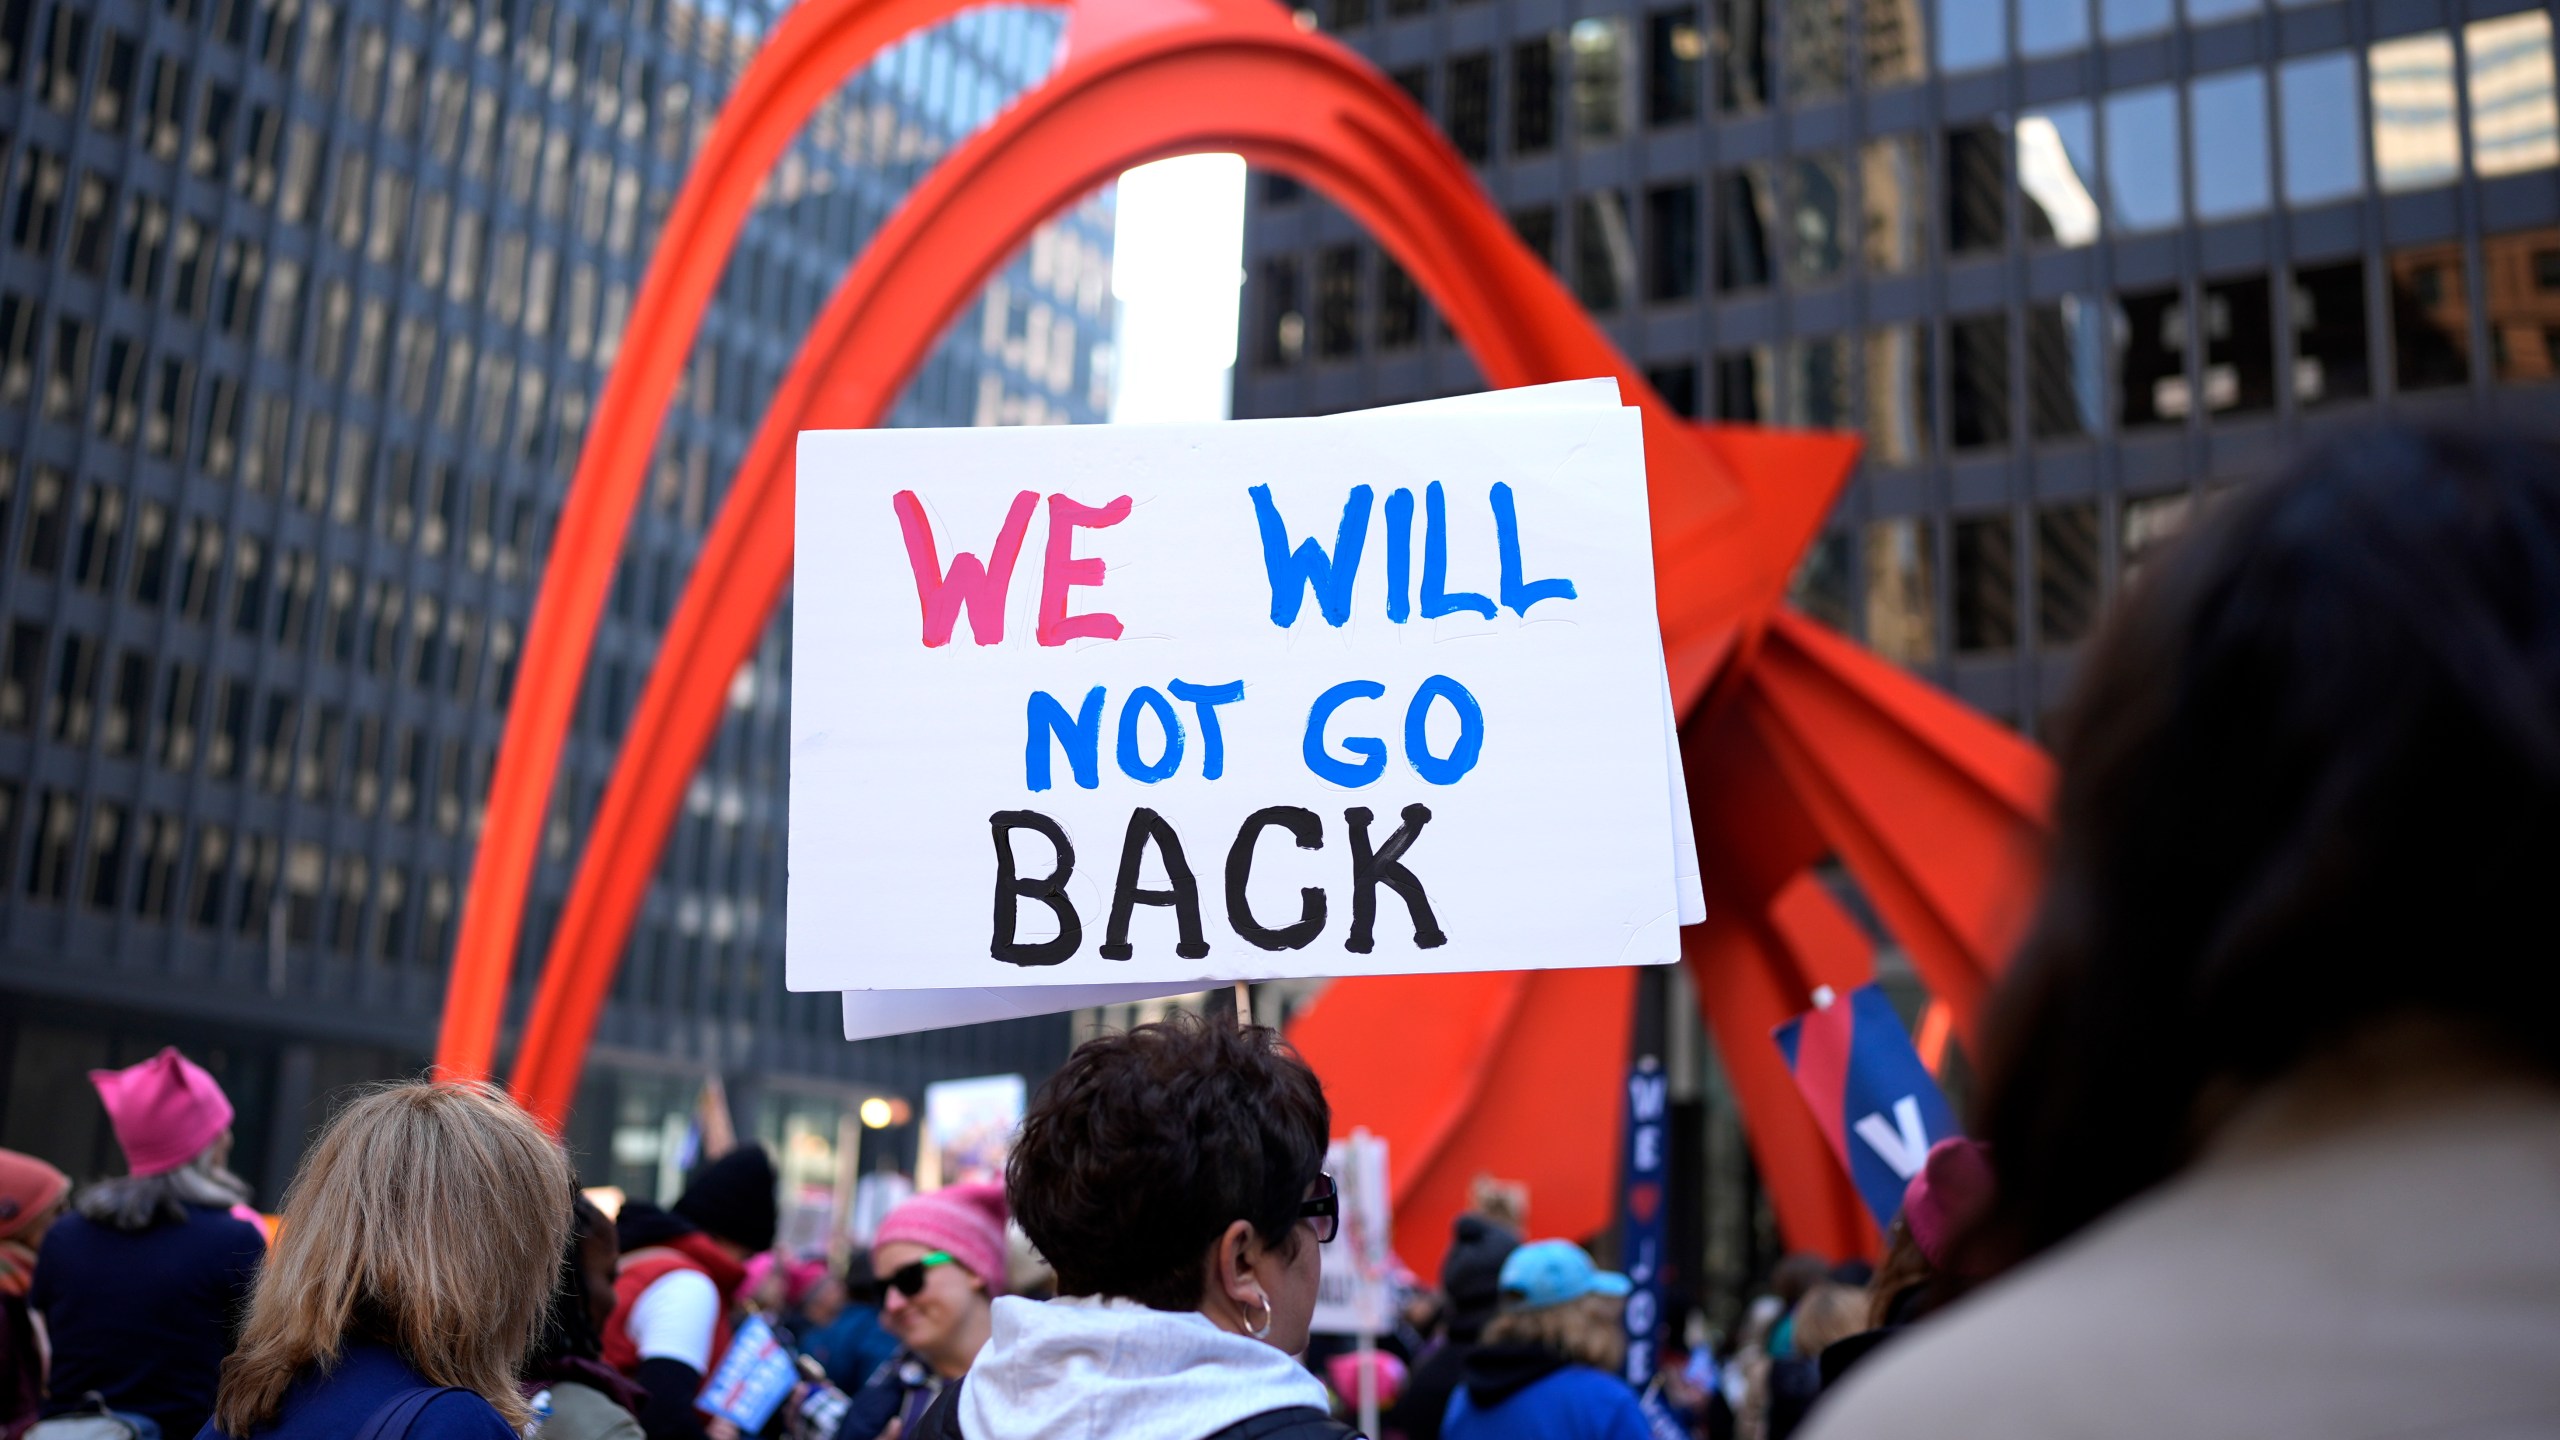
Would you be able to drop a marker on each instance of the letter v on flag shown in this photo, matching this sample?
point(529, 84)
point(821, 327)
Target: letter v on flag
point(1876, 1103)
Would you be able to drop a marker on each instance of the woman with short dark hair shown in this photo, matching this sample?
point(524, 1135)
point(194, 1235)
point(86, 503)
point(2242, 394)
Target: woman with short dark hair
point(1173, 1176)
point(2272, 1090)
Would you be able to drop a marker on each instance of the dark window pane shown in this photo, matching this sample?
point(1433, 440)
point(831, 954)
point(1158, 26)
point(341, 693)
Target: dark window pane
point(1744, 382)
point(1338, 302)
point(1350, 14)
point(1414, 80)
point(22, 674)
point(2066, 573)
point(1977, 216)
point(2151, 359)
point(1471, 105)
point(1604, 251)
point(1674, 50)
point(2430, 317)
point(1533, 96)
point(1743, 62)
point(1279, 189)
point(1743, 205)
point(2239, 347)
point(1986, 590)
point(1671, 242)
point(1536, 227)
point(1817, 391)
point(2330, 334)
point(1978, 398)
point(1399, 306)
point(69, 710)
point(1677, 384)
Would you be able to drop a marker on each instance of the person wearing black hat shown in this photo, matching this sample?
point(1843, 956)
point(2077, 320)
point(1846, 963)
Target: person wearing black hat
point(1471, 1277)
point(679, 1279)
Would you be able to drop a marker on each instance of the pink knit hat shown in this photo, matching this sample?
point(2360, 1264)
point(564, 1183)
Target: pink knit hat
point(1951, 1191)
point(165, 1111)
point(964, 1221)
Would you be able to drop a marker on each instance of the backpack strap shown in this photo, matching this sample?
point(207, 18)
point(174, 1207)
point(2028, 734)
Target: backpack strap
point(1297, 1422)
point(401, 1411)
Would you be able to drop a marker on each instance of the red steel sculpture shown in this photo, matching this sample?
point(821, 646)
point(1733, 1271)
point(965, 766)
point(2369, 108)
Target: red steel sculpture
point(1800, 747)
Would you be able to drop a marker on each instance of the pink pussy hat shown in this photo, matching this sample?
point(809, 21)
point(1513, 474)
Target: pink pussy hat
point(1951, 1191)
point(165, 1111)
point(965, 1222)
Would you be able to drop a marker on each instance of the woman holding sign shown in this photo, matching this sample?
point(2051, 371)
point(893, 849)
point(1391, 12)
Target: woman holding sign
point(1173, 1175)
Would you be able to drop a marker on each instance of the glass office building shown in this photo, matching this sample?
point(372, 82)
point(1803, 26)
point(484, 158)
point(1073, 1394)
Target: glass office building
point(2072, 267)
point(304, 306)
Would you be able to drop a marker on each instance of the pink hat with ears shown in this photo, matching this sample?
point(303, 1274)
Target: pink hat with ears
point(965, 1222)
point(1951, 1191)
point(165, 1110)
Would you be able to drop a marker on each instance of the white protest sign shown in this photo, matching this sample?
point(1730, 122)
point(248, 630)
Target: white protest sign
point(1355, 1293)
point(1540, 823)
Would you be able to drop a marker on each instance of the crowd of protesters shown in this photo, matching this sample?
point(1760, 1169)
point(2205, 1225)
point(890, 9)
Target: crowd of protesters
point(2268, 1135)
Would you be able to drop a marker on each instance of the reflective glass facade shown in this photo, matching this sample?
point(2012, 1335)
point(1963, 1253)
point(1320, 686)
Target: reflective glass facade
point(304, 305)
point(2069, 265)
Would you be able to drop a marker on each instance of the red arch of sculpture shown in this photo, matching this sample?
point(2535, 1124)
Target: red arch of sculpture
point(1803, 746)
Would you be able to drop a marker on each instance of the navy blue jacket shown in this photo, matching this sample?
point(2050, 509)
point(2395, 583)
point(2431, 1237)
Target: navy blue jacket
point(367, 1377)
point(144, 1317)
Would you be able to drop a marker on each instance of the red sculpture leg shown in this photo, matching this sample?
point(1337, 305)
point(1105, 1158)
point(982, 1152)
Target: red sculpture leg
point(815, 47)
point(1481, 1074)
point(1937, 810)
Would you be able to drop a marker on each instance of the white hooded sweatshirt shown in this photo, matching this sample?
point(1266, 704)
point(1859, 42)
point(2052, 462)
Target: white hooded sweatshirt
point(1108, 1369)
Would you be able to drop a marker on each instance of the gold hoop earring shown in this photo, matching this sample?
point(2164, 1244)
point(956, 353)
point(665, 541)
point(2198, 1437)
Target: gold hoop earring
point(1263, 1330)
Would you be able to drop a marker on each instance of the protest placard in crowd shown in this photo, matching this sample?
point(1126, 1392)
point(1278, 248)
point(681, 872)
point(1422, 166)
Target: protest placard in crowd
point(1083, 715)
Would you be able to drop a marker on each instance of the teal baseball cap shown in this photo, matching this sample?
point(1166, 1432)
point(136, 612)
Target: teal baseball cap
point(1551, 1272)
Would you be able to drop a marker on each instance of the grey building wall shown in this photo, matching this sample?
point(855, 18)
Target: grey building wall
point(304, 305)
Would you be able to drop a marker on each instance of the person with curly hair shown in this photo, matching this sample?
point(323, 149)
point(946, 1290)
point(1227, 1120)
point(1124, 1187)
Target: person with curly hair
point(1173, 1176)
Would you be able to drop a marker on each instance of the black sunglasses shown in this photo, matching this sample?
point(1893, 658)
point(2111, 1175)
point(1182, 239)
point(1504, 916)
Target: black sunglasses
point(908, 1279)
point(1323, 1210)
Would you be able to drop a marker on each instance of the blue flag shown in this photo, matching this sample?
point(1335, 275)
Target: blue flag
point(1876, 1103)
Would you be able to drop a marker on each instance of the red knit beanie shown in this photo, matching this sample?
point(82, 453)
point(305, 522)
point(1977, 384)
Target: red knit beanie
point(965, 1222)
point(28, 1188)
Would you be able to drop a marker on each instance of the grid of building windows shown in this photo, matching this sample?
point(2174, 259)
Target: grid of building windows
point(304, 306)
point(2072, 267)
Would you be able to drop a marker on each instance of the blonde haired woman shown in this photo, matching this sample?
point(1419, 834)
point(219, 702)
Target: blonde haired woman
point(1548, 1369)
point(420, 1243)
